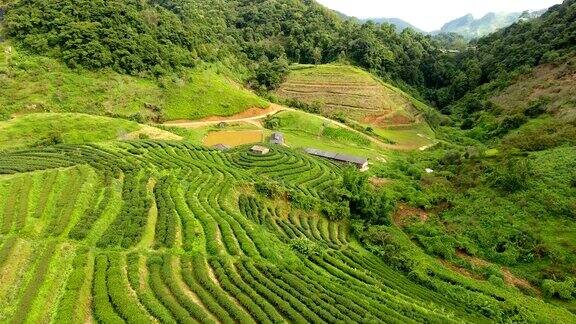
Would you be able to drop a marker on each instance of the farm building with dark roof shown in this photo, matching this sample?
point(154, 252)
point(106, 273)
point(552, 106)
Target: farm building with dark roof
point(360, 162)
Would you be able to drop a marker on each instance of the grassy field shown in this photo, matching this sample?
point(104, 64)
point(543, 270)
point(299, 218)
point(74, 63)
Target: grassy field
point(40, 84)
point(72, 128)
point(66, 128)
point(203, 93)
point(408, 137)
point(147, 231)
point(346, 90)
point(302, 130)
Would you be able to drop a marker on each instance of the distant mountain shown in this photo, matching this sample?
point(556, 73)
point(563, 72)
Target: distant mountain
point(469, 27)
point(399, 23)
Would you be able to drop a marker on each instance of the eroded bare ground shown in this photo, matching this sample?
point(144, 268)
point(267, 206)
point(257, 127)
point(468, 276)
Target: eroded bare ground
point(404, 214)
point(392, 118)
point(509, 278)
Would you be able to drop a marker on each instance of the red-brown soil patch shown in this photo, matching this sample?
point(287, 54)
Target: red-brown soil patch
point(460, 270)
point(400, 120)
point(524, 284)
point(405, 213)
point(248, 113)
point(477, 262)
point(375, 119)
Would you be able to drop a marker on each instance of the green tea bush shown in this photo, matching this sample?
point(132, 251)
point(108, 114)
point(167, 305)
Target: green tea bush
point(124, 303)
point(305, 246)
point(163, 292)
point(146, 297)
point(67, 304)
point(34, 285)
point(269, 189)
point(167, 219)
point(103, 309)
point(169, 277)
point(267, 291)
point(127, 229)
point(82, 228)
point(258, 307)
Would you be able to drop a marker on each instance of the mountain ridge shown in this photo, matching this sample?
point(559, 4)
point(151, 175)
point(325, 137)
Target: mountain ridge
point(467, 26)
point(471, 27)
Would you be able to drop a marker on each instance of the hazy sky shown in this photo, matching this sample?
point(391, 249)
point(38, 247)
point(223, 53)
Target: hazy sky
point(431, 15)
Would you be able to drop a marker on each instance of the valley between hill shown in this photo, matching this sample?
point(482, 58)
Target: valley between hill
point(117, 205)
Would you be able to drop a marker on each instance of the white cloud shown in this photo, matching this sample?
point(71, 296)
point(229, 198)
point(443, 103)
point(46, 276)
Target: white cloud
point(431, 15)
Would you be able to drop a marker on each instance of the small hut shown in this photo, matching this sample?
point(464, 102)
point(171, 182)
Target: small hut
point(260, 150)
point(277, 138)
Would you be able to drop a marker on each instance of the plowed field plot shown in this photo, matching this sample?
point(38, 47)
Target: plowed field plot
point(233, 138)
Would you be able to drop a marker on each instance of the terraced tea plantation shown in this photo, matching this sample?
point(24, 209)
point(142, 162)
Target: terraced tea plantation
point(165, 232)
point(341, 89)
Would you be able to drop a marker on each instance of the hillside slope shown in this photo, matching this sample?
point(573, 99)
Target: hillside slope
point(72, 128)
point(145, 231)
point(348, 93)
point(96, 226)
point(497, 59)
point(34, 83)
point(507, 184)
point(544, 102)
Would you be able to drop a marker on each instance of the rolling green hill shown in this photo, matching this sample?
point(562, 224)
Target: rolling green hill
point(72, 128)
point(507, 184)
point(37, 84)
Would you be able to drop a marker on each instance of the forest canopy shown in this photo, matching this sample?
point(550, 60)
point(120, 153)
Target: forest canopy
point(156, 37)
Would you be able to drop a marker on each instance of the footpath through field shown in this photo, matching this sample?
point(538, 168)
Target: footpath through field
point(214, 120)
point(273, 110)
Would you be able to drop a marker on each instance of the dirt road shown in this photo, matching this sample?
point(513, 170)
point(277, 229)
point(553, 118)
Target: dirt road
point(256, 120)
